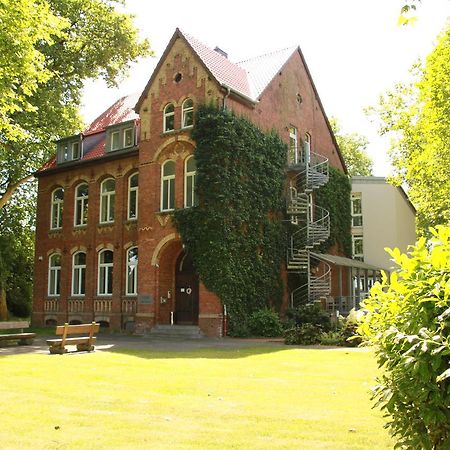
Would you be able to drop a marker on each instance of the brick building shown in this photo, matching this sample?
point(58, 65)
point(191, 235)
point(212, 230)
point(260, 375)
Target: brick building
point(106, 248)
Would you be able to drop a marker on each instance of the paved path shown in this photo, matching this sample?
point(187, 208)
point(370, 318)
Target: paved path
point(107, 342)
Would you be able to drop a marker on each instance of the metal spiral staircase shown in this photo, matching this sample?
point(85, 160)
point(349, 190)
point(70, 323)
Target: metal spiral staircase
point(311, 228)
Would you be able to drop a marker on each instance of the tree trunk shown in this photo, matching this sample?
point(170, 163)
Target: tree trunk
point(12, 187)
point(3, 308)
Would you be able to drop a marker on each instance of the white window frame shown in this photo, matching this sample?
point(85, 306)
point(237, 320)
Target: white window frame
point(186, 110)
point(357, 237)
point(307, 149)
point(106, 197)
point(130, 129)
point(59, 210)
point(78, 272)
point(78, 146)
point(57, 277)
point(84, 206)
point(293, 138)
point(354, 198)
point(113, 133)
point(130, 190)
point(106, 267)
point(131, 290)
point(164, 179)
point(166, 115)
point(192, 174)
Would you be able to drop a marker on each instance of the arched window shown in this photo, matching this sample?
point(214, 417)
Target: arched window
point(105, 272)
point(133, 192)
point(54, 274)
point(57, 208)
point(81, 204)
point(169, 117)
point(307, 149)
point(168, 186)
point(131, 276)
point(79, 273)
point(190, 177)
point(107, 197)
point(187, 119)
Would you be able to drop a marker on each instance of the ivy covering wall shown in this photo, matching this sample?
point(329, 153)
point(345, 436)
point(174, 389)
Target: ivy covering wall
point(236, 235)
point(335, 197)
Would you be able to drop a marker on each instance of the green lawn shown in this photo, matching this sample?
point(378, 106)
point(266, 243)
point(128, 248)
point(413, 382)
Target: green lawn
point(249, 398)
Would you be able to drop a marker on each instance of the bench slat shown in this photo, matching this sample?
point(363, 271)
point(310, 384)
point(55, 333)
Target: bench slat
point(77, 329)
point(13, 325)
point(5, 337)
point(71, 341)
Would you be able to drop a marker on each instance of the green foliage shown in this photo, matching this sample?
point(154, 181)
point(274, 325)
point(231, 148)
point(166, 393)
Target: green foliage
point(306, 334)
point(348, 327)
point(333, 337)
point(408, 323)
point(417, 115)
point(45, 61)
point(265, 323)
point(335, 197)
point(353, 148)
point(235, 235)
point(309, 314)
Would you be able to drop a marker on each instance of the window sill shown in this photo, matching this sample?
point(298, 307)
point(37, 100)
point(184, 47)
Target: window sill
point(53, 297)
point(177, 131)
point(77, 297)
point(166, 212)
point(55, 230)
point(105, 224)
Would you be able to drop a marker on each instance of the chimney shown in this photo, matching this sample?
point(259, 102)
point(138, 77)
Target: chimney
point(221, 52)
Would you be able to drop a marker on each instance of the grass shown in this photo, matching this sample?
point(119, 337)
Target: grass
point(253, 398)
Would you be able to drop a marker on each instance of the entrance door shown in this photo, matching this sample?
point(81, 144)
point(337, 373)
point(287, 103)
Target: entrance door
point(186, 295)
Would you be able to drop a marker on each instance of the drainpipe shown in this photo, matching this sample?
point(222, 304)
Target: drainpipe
point(225, 97)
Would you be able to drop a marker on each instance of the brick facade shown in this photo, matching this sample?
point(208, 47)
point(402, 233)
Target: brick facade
point(289, 99)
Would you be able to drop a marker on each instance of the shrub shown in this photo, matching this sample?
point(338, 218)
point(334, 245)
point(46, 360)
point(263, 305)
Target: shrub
point(408, 323)
point(306, 334)
point(308, 314)
point(348, 327)
point(265, 322)
point(332, 338)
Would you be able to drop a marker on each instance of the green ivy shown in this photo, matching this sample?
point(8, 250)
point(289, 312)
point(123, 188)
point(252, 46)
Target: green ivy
point(236, 236)
point(335, 197)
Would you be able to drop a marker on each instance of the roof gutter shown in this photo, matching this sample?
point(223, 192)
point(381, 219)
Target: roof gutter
point(238, 94)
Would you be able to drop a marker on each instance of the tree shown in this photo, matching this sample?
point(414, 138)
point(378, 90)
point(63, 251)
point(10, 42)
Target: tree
point(418, 116)
point(407, 321)
point(353, 147)
point(83, 39)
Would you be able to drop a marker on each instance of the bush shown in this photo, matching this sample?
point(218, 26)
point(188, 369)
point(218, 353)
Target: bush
point(306, 334)
point(348, 327)
point(308, 314)
point(265, 322)
point(408, 323)
point(333, 338)
point(237, 327)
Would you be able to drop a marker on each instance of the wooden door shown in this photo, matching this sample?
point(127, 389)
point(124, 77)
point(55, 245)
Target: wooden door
point(186, 292)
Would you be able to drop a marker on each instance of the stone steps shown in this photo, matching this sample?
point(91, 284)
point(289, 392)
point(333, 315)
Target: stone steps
point(176, 332)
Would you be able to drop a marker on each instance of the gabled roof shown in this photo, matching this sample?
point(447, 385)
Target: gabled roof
point(262, 69)
point(248, 78)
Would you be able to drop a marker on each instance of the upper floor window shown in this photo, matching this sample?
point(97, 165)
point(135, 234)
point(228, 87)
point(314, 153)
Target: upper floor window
point(358, 247)
point(187, 119)
point(168, 186)
point(169, 117)
point(293, 146)
point(79, 273)
point(107, 197)
point(119, 137)
point(131, 275)
point(105, 272)
point(357, 218)
point(133, 193)
point(81, 204)
point(68, 150)
point(190, 176)
point(57, 209)
point(54, 274)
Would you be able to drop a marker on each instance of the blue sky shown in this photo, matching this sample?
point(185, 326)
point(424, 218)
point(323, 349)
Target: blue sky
point(354, 48)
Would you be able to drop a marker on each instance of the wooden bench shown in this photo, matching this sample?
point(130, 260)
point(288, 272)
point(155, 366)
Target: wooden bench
point(83, 343)
point(21, 337)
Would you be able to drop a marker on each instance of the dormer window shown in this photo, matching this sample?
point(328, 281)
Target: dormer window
point(120, 137)
point(68, 150)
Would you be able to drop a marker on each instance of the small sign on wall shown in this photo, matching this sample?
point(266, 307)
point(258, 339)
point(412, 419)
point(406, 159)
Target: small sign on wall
point(145, 299)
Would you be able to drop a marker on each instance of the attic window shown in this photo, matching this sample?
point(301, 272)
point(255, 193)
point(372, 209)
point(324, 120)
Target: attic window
point(178, 77)
point(120, 137)
point(69, 150)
